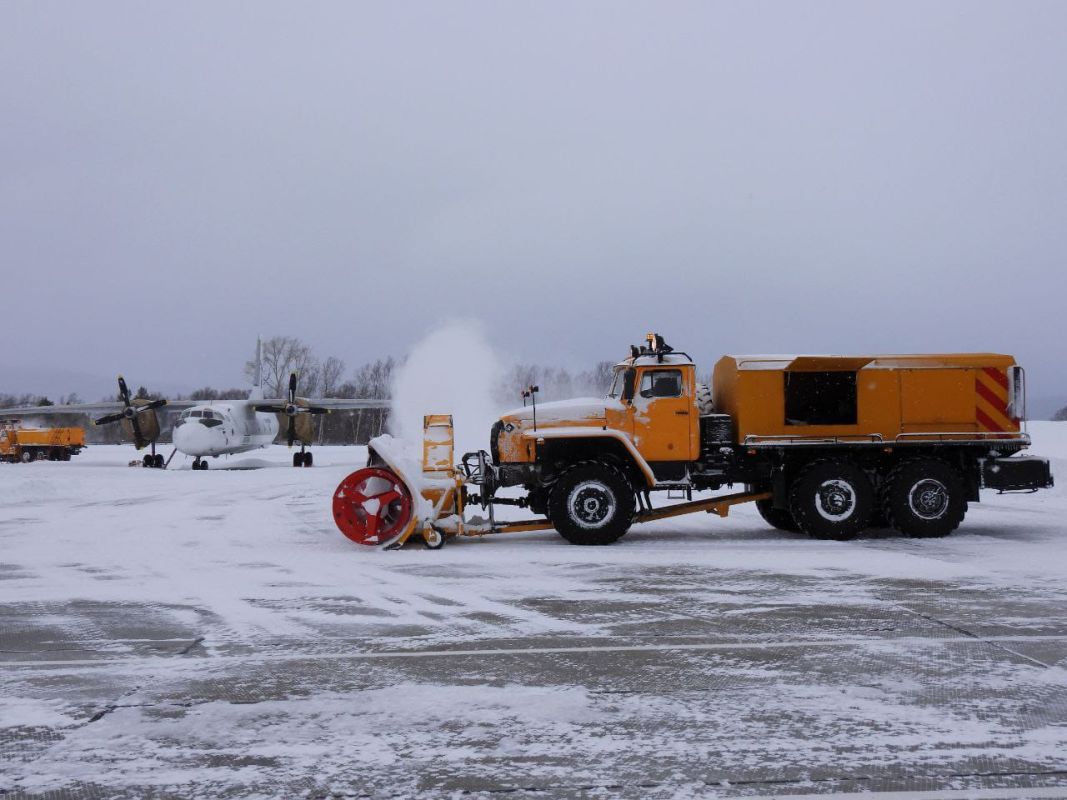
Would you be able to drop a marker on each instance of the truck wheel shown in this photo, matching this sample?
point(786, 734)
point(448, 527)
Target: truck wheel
point(924, 498)
point(832, 500)
point(27, 456)
point(592, 503)
point(705, 402)
point(779, 518)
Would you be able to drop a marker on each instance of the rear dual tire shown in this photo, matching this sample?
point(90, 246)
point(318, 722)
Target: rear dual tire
point(924, 498)
point(780, 518)
point(832, 500)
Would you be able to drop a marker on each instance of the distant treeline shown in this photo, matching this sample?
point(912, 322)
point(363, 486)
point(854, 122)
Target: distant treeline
point(329, 377)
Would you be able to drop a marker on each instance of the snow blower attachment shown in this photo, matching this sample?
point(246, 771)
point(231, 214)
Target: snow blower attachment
point(392, 499)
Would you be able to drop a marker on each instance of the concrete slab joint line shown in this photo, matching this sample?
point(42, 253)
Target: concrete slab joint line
point(519, 651)
point(185, 650)
point(1021, 793)
point(994, 641)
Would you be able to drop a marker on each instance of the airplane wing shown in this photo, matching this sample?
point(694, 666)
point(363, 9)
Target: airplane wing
point(343, 404)
point(74, 408)
point(111, 406)
point(330, 403)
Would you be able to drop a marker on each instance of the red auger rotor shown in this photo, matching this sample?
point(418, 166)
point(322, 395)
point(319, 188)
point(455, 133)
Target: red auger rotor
point(372, 506)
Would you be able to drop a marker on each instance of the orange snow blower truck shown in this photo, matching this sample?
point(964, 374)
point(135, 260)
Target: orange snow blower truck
point(827, 445)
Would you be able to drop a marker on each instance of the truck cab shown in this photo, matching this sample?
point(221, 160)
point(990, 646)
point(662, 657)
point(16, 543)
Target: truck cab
point(657, 408)
point(648, 425)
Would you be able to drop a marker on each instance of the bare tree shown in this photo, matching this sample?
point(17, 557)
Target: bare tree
point(373, 381)
point(555, 383)
point(596, 381)
point(330, 375)
point(281, 356)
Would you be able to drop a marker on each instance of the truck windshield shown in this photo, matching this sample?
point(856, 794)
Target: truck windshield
point(618, 383)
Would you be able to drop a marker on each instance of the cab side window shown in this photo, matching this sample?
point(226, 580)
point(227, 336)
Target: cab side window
point(661, 383)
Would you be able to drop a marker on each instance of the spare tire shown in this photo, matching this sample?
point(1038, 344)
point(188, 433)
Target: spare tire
point(705, 401)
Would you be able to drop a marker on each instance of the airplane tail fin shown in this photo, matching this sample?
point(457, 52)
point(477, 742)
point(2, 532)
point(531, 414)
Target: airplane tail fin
point(257, 386)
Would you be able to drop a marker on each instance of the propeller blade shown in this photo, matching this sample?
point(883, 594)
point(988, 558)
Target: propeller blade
point(124, 391)
point(107, 419)
point(292, 387)
point(138, 437)
point(291, 432)
point(270, 409)
point(315, 410)
point(152, 406)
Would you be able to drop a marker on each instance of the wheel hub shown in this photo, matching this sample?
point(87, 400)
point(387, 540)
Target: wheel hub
point(592, 504)
point(835, 500)
point(928, 499)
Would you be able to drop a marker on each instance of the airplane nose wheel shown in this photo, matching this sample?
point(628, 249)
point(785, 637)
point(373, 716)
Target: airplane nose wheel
point(198, 463)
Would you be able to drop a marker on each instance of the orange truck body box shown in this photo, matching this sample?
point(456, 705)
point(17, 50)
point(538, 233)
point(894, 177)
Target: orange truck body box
point(895, 397)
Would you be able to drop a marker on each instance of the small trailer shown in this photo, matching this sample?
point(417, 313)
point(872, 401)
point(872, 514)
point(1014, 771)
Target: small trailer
point(18, 444)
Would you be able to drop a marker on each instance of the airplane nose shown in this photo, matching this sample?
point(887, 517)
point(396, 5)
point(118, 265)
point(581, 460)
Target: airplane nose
point(191, 439)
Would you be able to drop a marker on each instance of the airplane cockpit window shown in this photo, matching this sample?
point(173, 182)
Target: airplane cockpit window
point(196, 413)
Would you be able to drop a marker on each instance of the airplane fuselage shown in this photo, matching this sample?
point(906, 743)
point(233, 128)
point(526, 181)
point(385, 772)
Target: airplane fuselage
point(223, 428)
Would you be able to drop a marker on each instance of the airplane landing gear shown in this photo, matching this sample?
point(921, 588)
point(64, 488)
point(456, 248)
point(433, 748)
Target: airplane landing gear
point(199, 463)
point(153, 460)
point(303, 458)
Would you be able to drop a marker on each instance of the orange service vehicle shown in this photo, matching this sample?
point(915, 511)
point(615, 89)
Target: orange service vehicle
point(39, 444)
point(826, 445)
point(829, 445)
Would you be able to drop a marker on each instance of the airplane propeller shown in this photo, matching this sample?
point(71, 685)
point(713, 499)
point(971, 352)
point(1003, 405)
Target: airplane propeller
point(131, 413)
point(291, 409)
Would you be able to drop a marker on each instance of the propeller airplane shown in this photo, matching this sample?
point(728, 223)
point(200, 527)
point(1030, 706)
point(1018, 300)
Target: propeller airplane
point(211, 428)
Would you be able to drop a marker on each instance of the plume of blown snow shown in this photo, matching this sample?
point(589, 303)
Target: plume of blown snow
point(451, 371)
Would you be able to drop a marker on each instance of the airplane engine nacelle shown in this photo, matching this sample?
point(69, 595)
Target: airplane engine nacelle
point(304, 425)
point(147, 421)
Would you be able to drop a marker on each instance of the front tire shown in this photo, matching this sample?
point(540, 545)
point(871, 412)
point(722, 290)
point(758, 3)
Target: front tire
point(592, 503)
point(924, 498)
point(832, 500)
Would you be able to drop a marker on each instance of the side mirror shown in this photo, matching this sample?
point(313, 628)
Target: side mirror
point(628, 380)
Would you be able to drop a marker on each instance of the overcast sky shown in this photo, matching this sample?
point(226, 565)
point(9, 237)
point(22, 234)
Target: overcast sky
point(846, 177)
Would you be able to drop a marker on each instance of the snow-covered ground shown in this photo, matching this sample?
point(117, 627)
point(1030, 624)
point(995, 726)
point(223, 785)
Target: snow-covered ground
point(212, 633)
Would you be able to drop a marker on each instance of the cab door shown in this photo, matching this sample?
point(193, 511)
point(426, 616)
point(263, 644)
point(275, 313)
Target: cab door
point(664, 411)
